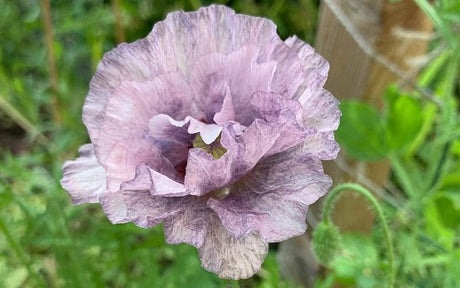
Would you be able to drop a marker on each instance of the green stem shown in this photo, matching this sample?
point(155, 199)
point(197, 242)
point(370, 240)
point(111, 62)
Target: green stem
point(20, 254)
point(327, 216)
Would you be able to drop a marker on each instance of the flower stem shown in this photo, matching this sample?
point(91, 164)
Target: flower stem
point(327, 216)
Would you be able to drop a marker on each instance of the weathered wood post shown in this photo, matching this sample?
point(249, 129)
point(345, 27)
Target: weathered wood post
point(354, 36)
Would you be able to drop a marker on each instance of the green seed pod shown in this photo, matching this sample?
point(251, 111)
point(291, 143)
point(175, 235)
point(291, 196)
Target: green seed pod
point(326, 242)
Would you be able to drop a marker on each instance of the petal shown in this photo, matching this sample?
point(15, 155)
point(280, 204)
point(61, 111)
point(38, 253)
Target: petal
point(137, 206)
point(289, 74)
point(208, 132)
point(185, 36)
point(321, 111)
point(171, 138)
point(189, 224)
point(319, 145)
point(312, 61)
point(229, 257)
point(315, 67)
point(282, 115)
point(84, 178)
point(227, 112)
point(239, 71)
point(206, 173)
point(273, 199)
point(157, 183)
point(124, 141)
point(127, 62)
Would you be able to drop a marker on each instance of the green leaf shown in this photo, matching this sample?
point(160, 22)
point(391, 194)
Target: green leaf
point(404, 118)
point(357, 262)
point(440, 214)
point(361, 131)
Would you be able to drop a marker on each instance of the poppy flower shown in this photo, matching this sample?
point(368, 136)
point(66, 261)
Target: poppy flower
point(213, 126)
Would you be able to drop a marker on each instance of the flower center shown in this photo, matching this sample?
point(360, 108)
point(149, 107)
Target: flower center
point(215, 148)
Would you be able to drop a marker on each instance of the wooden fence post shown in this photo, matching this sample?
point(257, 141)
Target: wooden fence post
point(353, 36)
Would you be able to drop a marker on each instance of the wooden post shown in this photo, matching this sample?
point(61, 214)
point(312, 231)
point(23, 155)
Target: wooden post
point(350, 35)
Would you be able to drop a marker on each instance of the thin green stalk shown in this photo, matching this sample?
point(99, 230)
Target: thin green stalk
point(403, 176)
point(22, 121)
point(47, 24)
point(17, 117)
point(119, 32)
point(327, 216)
point(21, 254)
point(437, 21)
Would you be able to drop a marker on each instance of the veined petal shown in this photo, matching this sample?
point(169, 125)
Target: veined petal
point(124, 142)
point(229, 257)
point(190, 224)
point(84, 178)
point(137, 206)
point(273, 199)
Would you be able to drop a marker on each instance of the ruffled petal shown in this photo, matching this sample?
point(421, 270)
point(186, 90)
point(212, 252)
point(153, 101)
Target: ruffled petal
point(137, 206)
point(239, 72)
point(173, 45)
point(319, 145)
point(315, 67)
point(189, 225)
point(184, 37)
point(127, 62)
point(124, 141)
point(321, 111)
point(282, 115)
point(204, 173)
point(157, 183)
point(229, 257)
point(273, 199)
point(84, 178)
point(227, 112)
point(171, 138)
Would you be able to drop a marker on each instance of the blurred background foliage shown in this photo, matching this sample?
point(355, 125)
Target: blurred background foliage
point(47, 242)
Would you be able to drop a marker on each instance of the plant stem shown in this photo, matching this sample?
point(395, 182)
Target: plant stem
point(49, 42)
point(327, 216)
point(20, 254)
point(119, 32)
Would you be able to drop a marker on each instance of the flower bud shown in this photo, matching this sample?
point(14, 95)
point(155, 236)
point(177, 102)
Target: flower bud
point(326, 242)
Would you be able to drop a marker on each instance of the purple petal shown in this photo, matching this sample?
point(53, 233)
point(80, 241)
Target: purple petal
point(127, 62)
point(171, 138)
point(123, 142)
point(319, 145)
point(229, 257)
point(84, 178)
point(137, 206)
point(283, 115)
point(227, 113)
point(204, 173)
point(273, 199)
point(315, 67)
point(240, 72)
point(189, 224)
point(321, 111)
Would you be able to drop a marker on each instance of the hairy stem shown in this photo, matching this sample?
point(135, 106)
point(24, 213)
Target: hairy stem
point(327, 216)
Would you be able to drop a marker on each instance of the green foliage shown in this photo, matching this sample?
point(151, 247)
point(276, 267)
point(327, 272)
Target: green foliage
point(420, 138)
point(375, 136)
point(44, 240)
